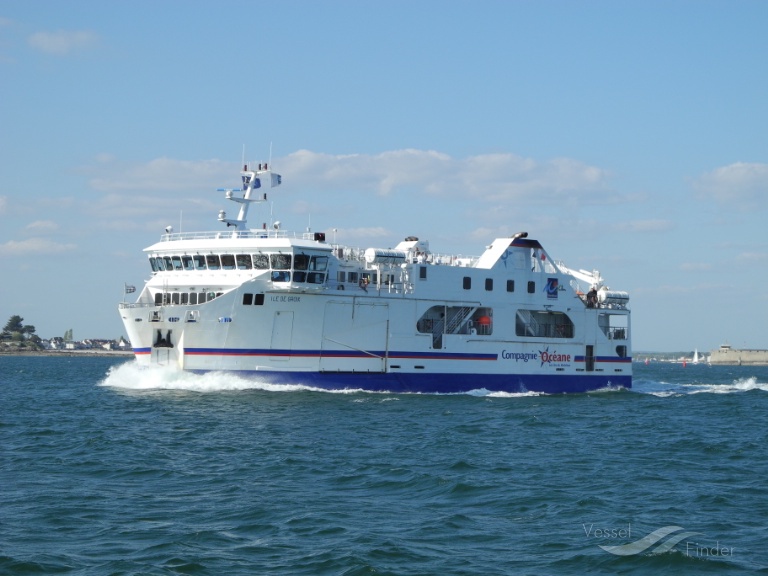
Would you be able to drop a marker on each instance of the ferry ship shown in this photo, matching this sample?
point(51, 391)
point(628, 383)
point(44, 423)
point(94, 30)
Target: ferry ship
point(294, 308)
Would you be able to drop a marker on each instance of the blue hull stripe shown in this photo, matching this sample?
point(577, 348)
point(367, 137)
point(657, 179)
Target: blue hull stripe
point(440, 383)
point(336, 354)
point(392, 355)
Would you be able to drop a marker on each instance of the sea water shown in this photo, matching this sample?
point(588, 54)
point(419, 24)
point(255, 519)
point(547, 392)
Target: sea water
point(109, 469)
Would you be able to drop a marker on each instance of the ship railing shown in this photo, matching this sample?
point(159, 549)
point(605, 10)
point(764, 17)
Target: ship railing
point(453, 260)
point(228, 235)
point(342, 251)
point(531, 325)
point(458, 318)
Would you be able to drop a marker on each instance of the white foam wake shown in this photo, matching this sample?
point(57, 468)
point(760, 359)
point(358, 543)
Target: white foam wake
point(741, 385)
point(131, 376)
point(665, 389)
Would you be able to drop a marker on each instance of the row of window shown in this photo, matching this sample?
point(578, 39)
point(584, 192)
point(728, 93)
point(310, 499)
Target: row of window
point(181, 298)
point(187, 262)
point(193, 298)
point(467, 285)
point(467, 282)
point(308, 277)
point(301, 264)
point(439, 320)
point(355, 277)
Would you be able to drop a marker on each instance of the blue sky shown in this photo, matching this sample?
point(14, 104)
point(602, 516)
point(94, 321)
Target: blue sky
point(630, 137)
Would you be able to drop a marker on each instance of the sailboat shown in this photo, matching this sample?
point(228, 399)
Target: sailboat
point(696, 356)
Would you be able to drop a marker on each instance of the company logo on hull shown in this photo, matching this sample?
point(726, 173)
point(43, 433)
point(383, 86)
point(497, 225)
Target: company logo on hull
point(545, 356)
point(551, 288)
point(554, 358)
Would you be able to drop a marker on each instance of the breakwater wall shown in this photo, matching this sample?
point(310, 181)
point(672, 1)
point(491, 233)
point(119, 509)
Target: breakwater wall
point(734, 356)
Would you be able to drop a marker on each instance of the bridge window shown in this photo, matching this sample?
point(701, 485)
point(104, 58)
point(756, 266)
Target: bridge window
point(199, 262)
point(261, 261)
point(227, 262)
point(319, 263)
point(510, 285)
point(280, 261)
point(489, 284)
point(187, 262)
point(213, 261)
point(531, 287)
point(467, 283)
point(301, 262)
point(243, 261)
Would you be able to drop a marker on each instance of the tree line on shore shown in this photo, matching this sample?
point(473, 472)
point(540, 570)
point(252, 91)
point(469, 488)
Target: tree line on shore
point(18, 334)
point(16, 331)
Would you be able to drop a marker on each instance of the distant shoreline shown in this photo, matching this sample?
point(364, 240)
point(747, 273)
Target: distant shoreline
point(115, 353)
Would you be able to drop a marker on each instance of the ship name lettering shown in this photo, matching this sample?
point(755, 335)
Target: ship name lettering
point(285, 298)
point(517, 356)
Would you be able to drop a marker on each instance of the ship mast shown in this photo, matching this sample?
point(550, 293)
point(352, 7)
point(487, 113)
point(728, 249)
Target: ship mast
point(252, 180)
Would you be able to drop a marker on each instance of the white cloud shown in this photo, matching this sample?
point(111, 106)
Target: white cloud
point(63, 42)
point(490, 177)
point(753, 257)
point(33, 246)
point(382, 173)
point(42, 226)
point(481, 187)
point(741, 185)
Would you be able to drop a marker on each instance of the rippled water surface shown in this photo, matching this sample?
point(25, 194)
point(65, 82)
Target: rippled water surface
point(108, 469)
